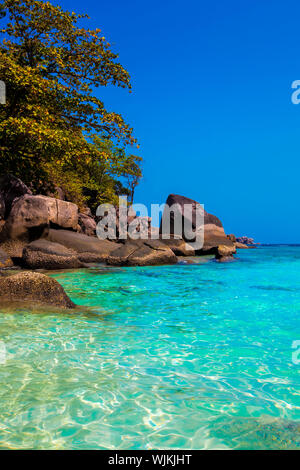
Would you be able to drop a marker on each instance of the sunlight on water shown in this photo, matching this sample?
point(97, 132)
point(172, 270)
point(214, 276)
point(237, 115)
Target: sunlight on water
point(185, 356)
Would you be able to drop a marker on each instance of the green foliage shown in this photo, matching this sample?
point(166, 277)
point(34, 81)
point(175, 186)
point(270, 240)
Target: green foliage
point(53, 130)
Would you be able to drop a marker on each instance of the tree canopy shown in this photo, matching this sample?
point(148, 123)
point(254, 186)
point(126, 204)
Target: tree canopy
point(54, 131)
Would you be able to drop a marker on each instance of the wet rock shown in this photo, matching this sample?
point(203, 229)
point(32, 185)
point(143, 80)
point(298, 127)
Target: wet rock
point(225, 253)
point(179, 247)
point(142, 253)
point(241, 245)
point(89, 249)
point(43, 254)
point(149, 256)
point(34, 288)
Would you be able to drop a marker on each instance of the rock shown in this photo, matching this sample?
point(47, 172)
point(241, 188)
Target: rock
point(31, 216)
point(224, 250)
point(14, 248)
point(154, 232)
point(5, 260)
point(28, 219)
point(35, 288)
point(241, 245)
point(89, 249)
point(231, 237)
point(142, 253)
point(57, 193)
point(140, 225)
point(179, 247)
point(86, 211)
point(245, 240)
point(149, 256)
point(214, 234)
point(62, 214)
point(225, 253)
point(2, 207)
point(10, 189)
point(126, 222)
point(87, 224)
point(43, 254)
point(120, 255)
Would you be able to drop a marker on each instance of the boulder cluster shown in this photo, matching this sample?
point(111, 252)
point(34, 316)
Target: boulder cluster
point(39, 232)
point(42, 232)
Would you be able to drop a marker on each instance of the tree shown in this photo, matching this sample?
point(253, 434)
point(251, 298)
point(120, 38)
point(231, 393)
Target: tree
point(51, 67)
point(113, 165)
point(132, 174)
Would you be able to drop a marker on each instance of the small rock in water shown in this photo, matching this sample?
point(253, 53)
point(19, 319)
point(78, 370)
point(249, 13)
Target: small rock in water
point(35, 288)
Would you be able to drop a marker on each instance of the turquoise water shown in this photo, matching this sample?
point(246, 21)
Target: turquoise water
point(184, 356)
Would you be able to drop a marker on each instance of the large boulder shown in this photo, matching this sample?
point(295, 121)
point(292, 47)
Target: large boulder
point(27, 220)
point(87, 224)
point(89, 249)
point(142, 253)
point(10, 189)
point(148, 255)
point(31, 216)
point(179, 247)
point(34, 288)
point(214, 234)
point(5, 260)
point(13, 248)
point(61, 214)
point(43, 254)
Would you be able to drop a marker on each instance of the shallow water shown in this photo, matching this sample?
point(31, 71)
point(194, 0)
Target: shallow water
point(189, 356)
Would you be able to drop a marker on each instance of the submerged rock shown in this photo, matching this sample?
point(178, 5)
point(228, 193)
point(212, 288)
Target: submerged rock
point(35, 288)
point(43, 254)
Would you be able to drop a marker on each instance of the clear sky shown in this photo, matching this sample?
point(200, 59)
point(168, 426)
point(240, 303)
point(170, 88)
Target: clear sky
point(211, 104)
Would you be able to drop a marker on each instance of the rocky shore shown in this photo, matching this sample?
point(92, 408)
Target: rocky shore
point(39, 232)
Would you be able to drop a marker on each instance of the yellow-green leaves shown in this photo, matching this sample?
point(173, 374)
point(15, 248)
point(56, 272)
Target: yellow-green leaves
point(51, 66)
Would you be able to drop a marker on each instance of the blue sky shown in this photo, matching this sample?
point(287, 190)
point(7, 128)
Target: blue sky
point(211, 104)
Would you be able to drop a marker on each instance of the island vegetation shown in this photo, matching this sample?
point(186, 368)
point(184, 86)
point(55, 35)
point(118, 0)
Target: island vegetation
point(55, 132)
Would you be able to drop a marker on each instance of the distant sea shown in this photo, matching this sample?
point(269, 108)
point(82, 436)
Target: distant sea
point(191, 356)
